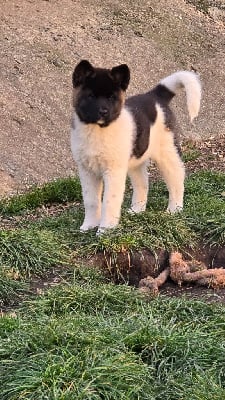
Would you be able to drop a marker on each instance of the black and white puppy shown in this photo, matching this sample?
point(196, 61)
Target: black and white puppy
point(112, 137)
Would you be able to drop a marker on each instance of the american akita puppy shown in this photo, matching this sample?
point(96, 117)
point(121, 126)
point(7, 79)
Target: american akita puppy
point(112, 137)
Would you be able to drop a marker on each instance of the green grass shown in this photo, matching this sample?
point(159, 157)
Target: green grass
point(27, 252)
point(205, 206)
point(191, 154)
point(93, 340)
point(59, 191)
point(38, 244)
point(88, 338)
point(11, 290)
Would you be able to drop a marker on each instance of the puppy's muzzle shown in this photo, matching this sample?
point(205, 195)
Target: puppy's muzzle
point(103, 112)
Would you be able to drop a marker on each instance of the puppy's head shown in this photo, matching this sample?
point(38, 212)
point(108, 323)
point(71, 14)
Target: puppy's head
point(99, 93)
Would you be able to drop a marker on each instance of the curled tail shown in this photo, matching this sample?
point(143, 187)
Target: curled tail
point(168, 87)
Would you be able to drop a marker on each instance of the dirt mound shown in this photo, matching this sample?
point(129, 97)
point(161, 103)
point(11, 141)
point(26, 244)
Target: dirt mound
point(42, 40)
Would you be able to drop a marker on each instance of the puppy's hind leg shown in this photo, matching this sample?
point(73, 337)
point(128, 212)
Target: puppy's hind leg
point(139, 181)
point(163, 151)
point(172, 170)
point(92, 186)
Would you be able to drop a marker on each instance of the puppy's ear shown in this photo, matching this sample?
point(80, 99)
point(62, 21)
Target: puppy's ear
point(121, 75)
point(81, 72)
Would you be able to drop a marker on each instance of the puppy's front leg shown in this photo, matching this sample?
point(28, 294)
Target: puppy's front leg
point(114, 187)
point(139, 180)
point(92, 191)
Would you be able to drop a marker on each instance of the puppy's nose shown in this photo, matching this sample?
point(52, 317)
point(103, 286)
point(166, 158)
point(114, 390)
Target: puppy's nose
point(103, 112)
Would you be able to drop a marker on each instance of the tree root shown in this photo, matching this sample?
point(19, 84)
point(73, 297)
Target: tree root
point(181, 271)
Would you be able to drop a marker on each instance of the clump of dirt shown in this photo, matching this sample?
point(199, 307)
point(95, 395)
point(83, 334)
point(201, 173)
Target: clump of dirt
point(131, 266)
point(181, 271)
point(157, 272)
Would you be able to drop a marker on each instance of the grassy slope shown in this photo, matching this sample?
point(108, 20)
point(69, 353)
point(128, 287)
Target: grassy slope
point(90, 339)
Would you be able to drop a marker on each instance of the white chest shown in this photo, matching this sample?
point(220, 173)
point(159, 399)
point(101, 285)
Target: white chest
point(99, 149)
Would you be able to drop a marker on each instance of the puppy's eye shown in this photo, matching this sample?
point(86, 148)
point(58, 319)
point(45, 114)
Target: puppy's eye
point(112, 97)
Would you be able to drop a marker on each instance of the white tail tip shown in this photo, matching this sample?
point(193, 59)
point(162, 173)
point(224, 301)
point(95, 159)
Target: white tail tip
point(191, 83)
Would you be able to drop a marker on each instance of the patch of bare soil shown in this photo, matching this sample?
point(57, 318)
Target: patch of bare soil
point(6, 182)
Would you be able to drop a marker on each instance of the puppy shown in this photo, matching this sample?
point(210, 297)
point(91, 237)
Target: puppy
point(112, 137)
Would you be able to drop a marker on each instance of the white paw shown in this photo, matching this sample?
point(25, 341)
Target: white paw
point(87, 227)
point(102, 230)
point(174, 209)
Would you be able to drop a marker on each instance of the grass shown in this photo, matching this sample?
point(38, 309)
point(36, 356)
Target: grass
point(37, 244)
point(27, 252)
point(60, 191)
point(88, 338)
point(191, 153)
point(205, 206)
point(11, 290)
